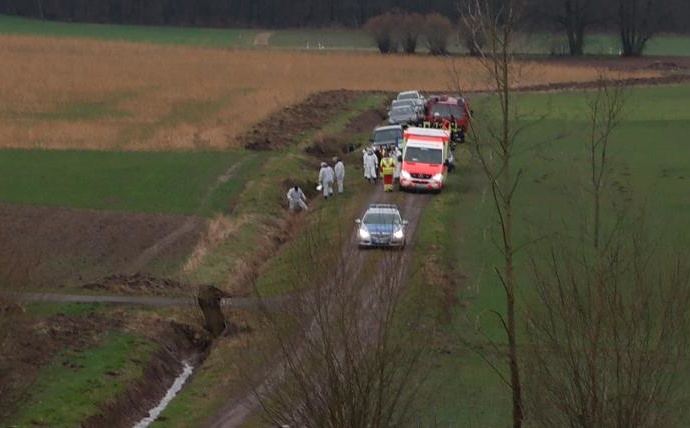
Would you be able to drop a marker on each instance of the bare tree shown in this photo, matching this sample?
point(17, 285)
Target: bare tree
point(382, 29)
point(493, 24)
point(638, 21)
point(610, 323)
point(342, 351)
point(410, 28)
point(437, 29)
point(608, 333)
point(605, 112)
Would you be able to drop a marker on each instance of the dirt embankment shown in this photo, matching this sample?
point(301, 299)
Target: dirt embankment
point(287, 126)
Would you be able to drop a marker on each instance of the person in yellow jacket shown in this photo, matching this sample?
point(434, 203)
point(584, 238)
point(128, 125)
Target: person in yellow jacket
point(387, 170)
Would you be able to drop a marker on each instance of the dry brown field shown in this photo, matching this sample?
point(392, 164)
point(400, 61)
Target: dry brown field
point(83, 94)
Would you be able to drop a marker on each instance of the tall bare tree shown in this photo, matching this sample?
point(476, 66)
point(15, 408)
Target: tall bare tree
point(605, 112)
point(608, 333)
point(492, 24)
point(638, 21)
point(610, 323)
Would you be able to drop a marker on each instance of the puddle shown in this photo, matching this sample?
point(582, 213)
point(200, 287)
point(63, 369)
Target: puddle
point(169, 395)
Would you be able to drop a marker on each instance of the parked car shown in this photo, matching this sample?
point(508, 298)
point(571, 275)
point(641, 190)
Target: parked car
point(388, 135)
point(410, 103)
point(414, 96)
point(381, 225)
point(403, 115)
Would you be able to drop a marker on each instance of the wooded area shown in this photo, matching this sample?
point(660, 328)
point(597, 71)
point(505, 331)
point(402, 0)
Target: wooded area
point(667, 15)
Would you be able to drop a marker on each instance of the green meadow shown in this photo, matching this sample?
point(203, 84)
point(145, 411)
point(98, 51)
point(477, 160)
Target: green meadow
point(150, 182)
point(650, 173)
point(312, 39)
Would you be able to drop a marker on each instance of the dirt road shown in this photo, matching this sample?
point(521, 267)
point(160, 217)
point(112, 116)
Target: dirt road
point(238, 409)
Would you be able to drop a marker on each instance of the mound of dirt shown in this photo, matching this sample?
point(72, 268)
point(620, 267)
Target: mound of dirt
point(368, 120)
point(285, 126)
point(327, 147)
point(52, 247)
point(137, 284)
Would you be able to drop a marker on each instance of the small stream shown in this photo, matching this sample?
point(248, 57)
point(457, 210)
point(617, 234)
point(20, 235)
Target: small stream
point(172, 392)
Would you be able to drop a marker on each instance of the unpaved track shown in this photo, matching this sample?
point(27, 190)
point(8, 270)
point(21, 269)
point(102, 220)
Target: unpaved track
point(155, 301)
point(238, 409)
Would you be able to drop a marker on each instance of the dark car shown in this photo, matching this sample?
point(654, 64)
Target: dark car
point(381, 226)
point(388, 136)
point(403, 115)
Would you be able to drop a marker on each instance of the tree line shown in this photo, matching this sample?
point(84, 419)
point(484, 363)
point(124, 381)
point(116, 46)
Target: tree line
point(540, 15)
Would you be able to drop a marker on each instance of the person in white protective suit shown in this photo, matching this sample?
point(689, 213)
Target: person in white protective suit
point(326, 177)
point(370, 166)
point(339, 169)
point(364, 163)
point(330, 191)
point(296, 199)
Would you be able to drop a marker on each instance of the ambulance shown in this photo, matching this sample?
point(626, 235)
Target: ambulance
point(424, 159)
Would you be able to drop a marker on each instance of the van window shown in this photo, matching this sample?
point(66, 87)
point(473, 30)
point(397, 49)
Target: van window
point(423, 155)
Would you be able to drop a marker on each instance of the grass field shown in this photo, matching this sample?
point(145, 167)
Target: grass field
point(648, 152)
point(204, 37)
point(88, 384)
point(158, 182)
point(312, 39)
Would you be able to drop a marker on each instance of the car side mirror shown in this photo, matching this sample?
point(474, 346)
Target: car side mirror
point(358, 221)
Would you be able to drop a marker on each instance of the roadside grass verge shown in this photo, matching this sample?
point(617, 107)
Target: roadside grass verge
point(205, 37)
point(89, 384)
point(649, 172)
point(262, 205)
point(154, 182)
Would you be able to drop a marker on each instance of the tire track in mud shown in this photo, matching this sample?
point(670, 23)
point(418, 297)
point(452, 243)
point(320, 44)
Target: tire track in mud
point(150, 253)
point(238, 409)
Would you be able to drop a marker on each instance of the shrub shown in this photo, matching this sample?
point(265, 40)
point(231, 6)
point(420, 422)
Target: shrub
point(382, 29)
point(437, 29)
point(409, 28)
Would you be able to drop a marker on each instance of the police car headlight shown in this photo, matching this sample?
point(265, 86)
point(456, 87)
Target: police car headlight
point(363, 233)
point(406, 175)
point(399, 234)
point(437, 177)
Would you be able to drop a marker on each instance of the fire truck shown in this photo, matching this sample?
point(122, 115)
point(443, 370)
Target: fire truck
point(450, 113)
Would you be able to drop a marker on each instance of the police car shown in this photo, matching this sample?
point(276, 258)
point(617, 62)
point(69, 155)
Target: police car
point(381, 226)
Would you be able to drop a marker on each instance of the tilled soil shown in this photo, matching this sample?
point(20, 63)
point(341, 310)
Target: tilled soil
point(51, 247)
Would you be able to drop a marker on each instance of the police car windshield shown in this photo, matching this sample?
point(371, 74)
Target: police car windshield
point(445, 110)
point(423, 155)
point(387, 135)
point(381, 218)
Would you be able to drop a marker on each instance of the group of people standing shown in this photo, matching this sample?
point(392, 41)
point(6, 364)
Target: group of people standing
point(330, 175)
point(384, 163)
point(378, 162)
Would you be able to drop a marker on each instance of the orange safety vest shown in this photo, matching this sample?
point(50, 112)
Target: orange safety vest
point(387, 165)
